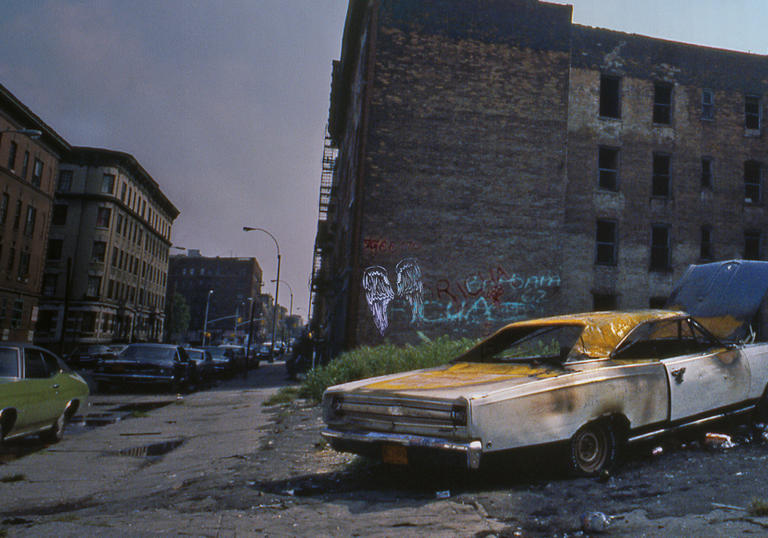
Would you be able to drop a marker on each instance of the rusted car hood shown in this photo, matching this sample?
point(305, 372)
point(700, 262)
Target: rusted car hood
point(722, 296)
point(454, 380)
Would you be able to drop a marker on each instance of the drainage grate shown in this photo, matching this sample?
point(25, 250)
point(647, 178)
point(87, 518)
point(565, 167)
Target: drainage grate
point(152, 450)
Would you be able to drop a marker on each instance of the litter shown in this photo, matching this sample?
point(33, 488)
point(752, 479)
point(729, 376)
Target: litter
point(657, 451)
point(445, 494)
point(719, 440)
point(594, 522)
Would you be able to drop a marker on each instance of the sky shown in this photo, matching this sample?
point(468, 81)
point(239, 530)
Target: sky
point(225, 102)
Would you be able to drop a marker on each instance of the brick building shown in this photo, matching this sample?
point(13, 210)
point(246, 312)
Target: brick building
point(107, 265)
point(497, 162)
point(234, 281)
point(29, 162)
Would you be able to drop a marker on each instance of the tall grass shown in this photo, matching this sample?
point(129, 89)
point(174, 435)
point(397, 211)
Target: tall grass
point(381, 360)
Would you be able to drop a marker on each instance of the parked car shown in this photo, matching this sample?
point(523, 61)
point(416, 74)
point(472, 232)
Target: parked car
point(204, 365)
point(161, 364)
point(224, 361)
point(238, 353)
point(39, 393)
point(88, 356)
point(263, 352)
point(592, 381)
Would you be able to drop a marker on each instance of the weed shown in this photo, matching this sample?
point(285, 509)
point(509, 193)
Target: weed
point(67, 518)
point(758, 507)
point(385, 359)
point(283, 396)
point(13, 478)
point(139, 414)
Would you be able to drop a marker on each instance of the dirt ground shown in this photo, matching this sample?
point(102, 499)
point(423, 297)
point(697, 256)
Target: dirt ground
point(659, 486)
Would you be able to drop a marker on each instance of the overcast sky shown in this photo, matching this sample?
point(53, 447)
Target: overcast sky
point(224, 102)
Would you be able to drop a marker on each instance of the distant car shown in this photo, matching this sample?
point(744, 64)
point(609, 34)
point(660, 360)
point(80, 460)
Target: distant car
point(204, 365)
point(263, 352)
point(89, 356)
point(161, 364)
point(238, 352)
point(224, 361)
point(39, 393)
point(593, 381)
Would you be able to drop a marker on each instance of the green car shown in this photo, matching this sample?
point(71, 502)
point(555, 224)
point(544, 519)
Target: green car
point(38, 392)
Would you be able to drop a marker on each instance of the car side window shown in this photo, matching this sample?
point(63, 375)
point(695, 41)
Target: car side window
point(664, 339)
point(52, 364)
point(34, 365)
point(9, 362)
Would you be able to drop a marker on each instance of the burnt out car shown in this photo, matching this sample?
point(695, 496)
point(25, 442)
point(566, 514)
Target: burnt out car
point(147, 364)
point(592, 382)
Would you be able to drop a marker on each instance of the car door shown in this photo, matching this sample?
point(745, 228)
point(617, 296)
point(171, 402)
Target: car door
point(39, 394)
point(706, 376)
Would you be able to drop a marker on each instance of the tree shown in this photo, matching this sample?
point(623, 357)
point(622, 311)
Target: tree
point(178, 317)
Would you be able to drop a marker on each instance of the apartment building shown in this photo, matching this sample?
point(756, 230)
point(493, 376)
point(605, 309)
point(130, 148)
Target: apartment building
point(108, 252)
point(491, 161)
point(29, 161)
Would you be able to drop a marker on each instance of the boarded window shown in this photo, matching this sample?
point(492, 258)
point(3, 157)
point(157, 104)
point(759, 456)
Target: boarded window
point(705, 250)
point(604, 301)
point(752, 245)
point(706, 173)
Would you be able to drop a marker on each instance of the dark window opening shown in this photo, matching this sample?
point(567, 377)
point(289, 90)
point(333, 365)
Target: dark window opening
point(608, 166)
point(662, 103)
point(606, 242)
point(707, 104)
point(705, 251)
point(753, 181)
point(610, 97)
point(59, 217)
point(752, 112)
point(752, 240)
point(661, 166)
point(65, 180)
point(602, 302)
point(660, 255)
point(12, 155)
point(706, 173)
point(657, 302)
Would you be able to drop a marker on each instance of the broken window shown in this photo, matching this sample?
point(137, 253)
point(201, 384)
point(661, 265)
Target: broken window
point(606, 242)
point(660, 255)
point(752, 241)
point(753, 181)
point(707, 104)
point(602, 302)
point(662, 103)
point(752, 112)
point(706, 173)
point(705, 251)
point(610, 98)
point(660, 185)
point(608, 168)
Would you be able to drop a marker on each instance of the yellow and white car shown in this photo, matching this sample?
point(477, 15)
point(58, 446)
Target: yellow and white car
point(594, 380)
point(38, 392)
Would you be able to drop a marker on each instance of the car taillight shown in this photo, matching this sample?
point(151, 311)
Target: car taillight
point(459, 415)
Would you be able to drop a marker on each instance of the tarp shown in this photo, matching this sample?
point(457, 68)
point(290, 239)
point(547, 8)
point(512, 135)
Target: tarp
point(722, 296)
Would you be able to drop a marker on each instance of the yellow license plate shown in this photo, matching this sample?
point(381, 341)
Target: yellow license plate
point(395, 454)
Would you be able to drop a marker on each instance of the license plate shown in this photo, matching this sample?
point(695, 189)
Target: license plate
point(395, 454)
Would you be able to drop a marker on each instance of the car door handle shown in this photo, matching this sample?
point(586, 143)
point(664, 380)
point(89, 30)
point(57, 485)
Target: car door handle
point(678, 375)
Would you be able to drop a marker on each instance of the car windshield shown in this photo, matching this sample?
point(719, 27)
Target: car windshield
point(540, 343)
point(148, 354)
point(219, 353)
point(195, 354)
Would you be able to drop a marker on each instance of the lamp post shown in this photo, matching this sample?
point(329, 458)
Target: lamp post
point(290, 309)
point(277, 285)
point(205, 323)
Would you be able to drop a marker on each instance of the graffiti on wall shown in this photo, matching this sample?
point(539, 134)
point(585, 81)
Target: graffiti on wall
point(379, 291)
point(490, 296)
point(382, 245)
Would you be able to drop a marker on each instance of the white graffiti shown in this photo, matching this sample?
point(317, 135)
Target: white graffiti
point(410, 287)
point(379, 292)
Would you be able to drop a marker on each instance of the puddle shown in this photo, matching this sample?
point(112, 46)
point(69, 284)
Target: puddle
point(153, 450)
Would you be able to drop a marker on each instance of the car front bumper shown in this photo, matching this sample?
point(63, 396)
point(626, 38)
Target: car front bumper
point(368, 442)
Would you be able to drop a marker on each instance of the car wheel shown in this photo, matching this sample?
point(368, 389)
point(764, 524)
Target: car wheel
point(593, 449)
point(56, 432)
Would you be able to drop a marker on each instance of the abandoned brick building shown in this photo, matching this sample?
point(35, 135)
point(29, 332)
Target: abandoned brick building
point(489, 161)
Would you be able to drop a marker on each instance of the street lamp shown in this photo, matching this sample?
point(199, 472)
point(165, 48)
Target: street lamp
point(290, 310)
point(205, 323)
point(277, 283)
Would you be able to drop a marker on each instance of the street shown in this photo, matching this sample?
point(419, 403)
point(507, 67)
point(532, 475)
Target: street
point(219, 463)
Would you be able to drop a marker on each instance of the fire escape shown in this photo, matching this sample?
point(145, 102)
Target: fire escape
point(324, 237)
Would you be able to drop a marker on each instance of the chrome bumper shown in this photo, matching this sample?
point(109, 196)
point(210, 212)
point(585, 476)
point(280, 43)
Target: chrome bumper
point(472, 449)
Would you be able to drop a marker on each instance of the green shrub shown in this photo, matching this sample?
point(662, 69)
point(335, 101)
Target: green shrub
point(385, 359)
